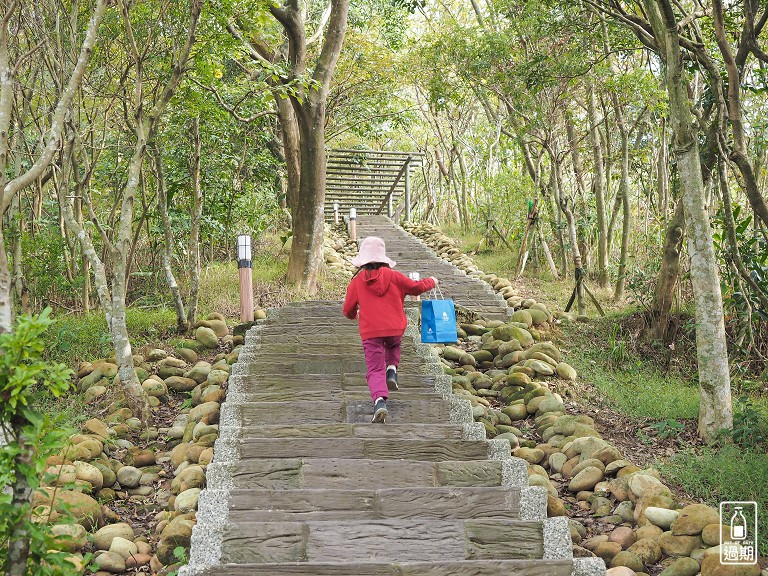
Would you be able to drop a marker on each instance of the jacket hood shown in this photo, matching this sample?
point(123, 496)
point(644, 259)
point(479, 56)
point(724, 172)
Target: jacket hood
point(377, 280)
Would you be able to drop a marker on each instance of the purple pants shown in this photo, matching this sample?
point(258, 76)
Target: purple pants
point(380, 353)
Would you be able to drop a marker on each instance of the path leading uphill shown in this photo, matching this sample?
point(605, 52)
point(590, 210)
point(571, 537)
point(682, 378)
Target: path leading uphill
point(412, 255)
point(303, 484)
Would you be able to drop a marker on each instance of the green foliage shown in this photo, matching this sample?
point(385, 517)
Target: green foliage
point(740, 301)
point(32, 436)
point(618, 347)
point(724, 472)
point(80, 337)
point(750, 424)
point(667, 428)
point(636, 387)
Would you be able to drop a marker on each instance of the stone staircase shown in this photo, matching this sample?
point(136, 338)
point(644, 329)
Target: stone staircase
point(412, 255)
point(303, 483)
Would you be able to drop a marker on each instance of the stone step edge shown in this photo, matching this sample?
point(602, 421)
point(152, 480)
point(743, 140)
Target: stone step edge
point(580, 566)
point(213, 516)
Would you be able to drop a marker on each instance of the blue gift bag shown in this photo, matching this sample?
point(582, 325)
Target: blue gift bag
point(438, 321)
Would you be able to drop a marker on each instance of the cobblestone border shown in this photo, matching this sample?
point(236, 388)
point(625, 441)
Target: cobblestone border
point(213, 504)
point(533, 499)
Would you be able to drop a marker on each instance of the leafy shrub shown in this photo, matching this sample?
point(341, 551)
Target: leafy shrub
point(32, 436)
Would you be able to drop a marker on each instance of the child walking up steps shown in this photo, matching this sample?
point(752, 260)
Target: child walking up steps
point(375, 296)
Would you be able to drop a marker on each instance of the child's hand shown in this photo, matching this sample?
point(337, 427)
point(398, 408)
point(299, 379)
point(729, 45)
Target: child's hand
point(435, 280)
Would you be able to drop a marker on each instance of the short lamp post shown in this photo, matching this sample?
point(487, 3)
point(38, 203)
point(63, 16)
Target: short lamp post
point(352, 224)
point(335, 212)
point(244, 254)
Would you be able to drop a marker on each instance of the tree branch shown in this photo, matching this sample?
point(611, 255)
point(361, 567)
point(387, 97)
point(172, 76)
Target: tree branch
point(334, 38)
point(62, 107)
point(323, 21)
point(232, 111)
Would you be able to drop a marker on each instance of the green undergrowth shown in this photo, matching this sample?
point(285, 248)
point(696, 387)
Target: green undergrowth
point(631, 383)
point(603, 355)
point(723, 472)
point(645, 382)
point(76, 338)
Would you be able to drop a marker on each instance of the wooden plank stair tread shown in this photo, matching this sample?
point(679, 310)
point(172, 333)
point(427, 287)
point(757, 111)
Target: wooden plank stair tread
point(354, 448)
point(445, 568)
point(411, 539)
point(410, 502)
point(291, 473)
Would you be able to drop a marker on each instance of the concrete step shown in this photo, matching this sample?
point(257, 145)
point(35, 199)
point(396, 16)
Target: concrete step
point(440, 568)
point(331, 367)
point(409, 540)
point(341, 473)
point(315, 394)
point(432, 410)
point(341, 505)
point(373, 448)
point(296, 383)
point(365, 430)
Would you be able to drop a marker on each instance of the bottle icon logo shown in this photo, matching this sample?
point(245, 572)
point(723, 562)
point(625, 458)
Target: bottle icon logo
point(445, 317)
point(738, 525)
point(738, 537)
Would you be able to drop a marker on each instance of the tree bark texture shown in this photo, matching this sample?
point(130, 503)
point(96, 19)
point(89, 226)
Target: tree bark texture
point(18, 541)
point(625, 206)
point(289, 134)
point(167, 250)
point(664, 293)
point(578, 271)
point(714, 377)
point(598, 189)
point(194, 231)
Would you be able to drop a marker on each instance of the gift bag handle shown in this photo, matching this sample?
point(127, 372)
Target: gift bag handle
point(437, 293)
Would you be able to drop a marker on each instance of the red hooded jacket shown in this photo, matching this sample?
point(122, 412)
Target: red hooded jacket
point(379, 295)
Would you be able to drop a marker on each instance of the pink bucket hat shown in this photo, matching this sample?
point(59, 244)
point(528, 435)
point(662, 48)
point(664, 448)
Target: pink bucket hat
point(372, 250)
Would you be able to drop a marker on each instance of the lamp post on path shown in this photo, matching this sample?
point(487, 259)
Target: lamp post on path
point(352, 224)
point(244, 255)
point(335, 212)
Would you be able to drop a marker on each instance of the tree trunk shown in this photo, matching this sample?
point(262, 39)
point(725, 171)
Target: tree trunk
point(306, 259)
point(557, 199)
point(668, 275)
point(6, 290)
point(662, 172)
point(167, 244)
point(712, 355)
point(626, 209)
point(598, 189)
point(18, 540)
point(578, 272)
point(135, 395)
point(740, 153)
point(289, 133)
point(578, 168)
point(194, 231)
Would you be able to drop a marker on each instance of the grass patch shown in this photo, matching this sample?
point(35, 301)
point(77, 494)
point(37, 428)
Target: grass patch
point(725, 472)
point(85, 337)
point(632, 383)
